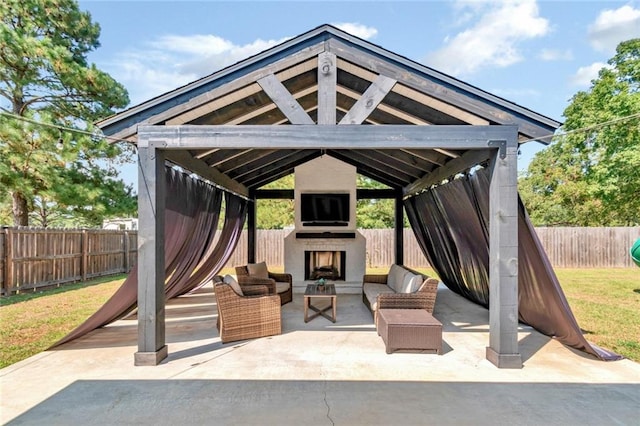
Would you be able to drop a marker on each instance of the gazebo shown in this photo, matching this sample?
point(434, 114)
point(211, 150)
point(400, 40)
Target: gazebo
point(326, 92)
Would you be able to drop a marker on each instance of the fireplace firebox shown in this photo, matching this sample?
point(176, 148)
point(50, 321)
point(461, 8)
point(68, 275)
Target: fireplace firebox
point(330, 265)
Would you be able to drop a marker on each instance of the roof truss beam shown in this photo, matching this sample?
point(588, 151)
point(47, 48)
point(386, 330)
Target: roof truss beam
point(286, 103)
point(327, 82)
point(369, 100)
point(327, 137)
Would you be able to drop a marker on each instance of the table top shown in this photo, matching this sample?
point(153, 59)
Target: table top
point(408, 317)
point(312, 290)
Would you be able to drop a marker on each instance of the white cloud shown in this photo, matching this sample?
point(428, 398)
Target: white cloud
point(356, 29)
point(584, 75)
point(493, 38)
point(171, 61)
point(149, 75)
point(614, 26)
point(555, 55)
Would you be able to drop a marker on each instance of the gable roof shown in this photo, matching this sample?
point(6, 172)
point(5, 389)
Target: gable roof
point(366, 85)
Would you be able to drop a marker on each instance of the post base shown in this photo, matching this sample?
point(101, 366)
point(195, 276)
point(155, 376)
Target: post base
point(150, 358)
point(504, 360)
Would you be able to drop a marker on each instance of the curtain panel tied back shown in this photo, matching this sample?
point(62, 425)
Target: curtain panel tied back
point(451, 225)
point(194, 250)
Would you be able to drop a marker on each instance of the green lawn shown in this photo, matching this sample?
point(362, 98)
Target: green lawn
point(31, 322)
point(606, 303)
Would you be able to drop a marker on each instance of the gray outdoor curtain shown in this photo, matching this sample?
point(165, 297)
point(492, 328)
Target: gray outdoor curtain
point(451, 224)
point(193, 251)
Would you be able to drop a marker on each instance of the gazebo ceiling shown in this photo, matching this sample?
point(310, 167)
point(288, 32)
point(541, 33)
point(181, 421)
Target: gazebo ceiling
point(366, 85)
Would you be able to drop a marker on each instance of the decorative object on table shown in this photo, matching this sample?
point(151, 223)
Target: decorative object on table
point(320, 284)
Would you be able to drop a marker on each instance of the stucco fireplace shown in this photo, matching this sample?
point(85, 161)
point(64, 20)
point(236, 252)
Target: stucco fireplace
point(333, 250)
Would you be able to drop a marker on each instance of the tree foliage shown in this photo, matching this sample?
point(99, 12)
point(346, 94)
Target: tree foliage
point(374, 213)
point(590, 174)
point(46, 84)
point(276, 214)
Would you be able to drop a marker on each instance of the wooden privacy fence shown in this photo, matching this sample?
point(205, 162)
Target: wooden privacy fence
point(589, 247)
point(35, 258)
point(566, 247)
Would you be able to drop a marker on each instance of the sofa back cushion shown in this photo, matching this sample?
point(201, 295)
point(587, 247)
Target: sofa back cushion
point(396, 277)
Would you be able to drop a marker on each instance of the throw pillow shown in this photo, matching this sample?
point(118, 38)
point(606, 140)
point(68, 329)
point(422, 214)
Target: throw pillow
point(412, 283)
point(396, 277)
point(258, 270)
point(229, 279)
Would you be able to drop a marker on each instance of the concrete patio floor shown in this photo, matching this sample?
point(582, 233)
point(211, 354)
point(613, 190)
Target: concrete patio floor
point(318, 373)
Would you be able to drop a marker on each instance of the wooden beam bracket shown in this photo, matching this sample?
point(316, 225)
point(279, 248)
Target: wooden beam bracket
point(501, 145)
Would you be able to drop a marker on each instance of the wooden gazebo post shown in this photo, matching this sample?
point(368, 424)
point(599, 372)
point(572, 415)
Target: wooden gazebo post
point(151, 269)
point(503, 255)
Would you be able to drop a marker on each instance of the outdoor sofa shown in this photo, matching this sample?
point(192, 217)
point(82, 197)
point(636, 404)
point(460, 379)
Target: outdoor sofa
point(401, 288)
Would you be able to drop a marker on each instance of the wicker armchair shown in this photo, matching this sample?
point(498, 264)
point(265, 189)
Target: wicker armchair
point(245, 280)
point(246, 317)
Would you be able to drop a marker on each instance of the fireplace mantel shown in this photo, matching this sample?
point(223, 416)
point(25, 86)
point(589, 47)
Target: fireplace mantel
point(325, 235)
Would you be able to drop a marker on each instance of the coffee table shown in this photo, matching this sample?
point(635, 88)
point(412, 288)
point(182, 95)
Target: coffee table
point(413, 329)
point(312, 292)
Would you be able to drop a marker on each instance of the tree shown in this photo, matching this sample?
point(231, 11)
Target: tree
point(590, 174)
point(374, 213)
point(84, 200)
point(47, 84)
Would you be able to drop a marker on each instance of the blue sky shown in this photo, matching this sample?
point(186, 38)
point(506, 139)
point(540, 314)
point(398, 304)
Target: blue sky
point(537, 54)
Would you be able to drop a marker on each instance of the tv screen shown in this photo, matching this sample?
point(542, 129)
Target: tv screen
point(324, 208)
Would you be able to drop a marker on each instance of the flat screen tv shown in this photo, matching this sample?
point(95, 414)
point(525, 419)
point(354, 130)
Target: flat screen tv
point(328, 209)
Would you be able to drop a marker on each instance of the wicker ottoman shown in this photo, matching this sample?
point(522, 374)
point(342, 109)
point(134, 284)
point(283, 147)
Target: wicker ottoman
point(414, 329)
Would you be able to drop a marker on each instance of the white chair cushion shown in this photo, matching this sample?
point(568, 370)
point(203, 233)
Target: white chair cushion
point(258, 270)
point(229, 279)
point(281, 287)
